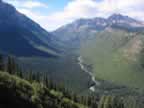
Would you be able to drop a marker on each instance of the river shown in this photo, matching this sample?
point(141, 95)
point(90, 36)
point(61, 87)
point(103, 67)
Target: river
point(96, 83)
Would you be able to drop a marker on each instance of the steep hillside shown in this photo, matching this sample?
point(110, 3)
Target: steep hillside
point(21, 36)
point(18, 93)
point(116, 56)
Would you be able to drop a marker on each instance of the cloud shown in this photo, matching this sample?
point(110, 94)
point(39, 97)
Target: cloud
point(31, 4)
point(27, 4)
point(91, 8)
point(76, 9)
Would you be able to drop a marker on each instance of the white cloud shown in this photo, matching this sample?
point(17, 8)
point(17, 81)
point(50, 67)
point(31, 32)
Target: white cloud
point(90, 8)
point(33, 15)
point(27, 4)
point(31, 4)
point(76, 9)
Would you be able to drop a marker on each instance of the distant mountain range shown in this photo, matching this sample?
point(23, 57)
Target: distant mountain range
point(21, 36)
point(83, 28)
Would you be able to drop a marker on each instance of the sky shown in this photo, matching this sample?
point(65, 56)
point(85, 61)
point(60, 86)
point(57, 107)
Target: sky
point(52, 14)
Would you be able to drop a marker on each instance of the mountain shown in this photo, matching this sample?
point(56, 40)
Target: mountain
point(117, 52)
point(120, 19)
point(21, 36)
point(85, 28)
point(80, 27)
point(113, 47)
point(126, 23)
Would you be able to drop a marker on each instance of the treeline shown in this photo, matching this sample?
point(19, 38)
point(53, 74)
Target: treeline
point(112, 101)
point(9, 64)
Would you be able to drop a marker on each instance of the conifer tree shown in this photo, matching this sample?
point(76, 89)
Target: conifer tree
point(12, 66)
point(9, 65)
point(30, 76)
point(1, 63)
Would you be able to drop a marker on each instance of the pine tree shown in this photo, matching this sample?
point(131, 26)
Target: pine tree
point(30, 76)
point(9, 65)
point(103, 102)
point(19, 71)
point(12, 66)
point(130, 102)
point(1, 63)
point(111, 102)
point(46, 81)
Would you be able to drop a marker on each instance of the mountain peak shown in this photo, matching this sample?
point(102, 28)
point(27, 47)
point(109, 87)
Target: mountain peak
point(122, 19)
point(118, 17)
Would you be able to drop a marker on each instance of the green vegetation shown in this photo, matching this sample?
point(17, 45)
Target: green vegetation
point(118, 102)
point(17, 92)
point(32, 95)
point(63, 70)
point(116, 56)
point(34, 91)
point(38, 91)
